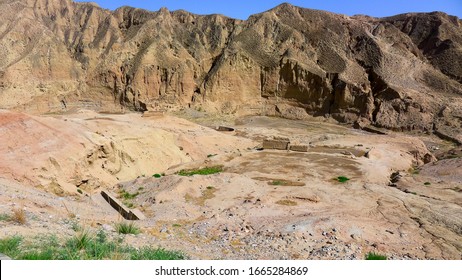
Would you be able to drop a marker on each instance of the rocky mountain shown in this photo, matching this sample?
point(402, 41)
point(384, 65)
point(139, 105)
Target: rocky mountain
point(402, 72)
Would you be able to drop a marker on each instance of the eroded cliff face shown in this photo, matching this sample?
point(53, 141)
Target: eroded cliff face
point(402, 72)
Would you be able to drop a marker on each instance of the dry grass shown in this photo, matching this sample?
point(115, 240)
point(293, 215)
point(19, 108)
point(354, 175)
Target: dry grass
point(19, 215)
point(286, 202)
point(70, 214)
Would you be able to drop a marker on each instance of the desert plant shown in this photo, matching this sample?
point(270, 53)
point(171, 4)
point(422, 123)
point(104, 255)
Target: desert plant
point(19, 215)
point(427, 183)
point(374, 256)
point(80, 241)
point(202, 171)
point(342, 179)
point(156, 175)
point(127, 228)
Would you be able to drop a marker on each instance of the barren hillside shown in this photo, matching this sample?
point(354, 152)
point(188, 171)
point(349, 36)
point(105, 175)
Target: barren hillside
point(402, 72)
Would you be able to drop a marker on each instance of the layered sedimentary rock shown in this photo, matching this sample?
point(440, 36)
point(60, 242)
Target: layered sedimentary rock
point(402, 72)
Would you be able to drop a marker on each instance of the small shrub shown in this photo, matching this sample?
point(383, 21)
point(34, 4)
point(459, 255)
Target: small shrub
point(211, 155)
point(374, 256)
point(80, 241)
point(79, 191)
point(19, 216)
point(176, 225)
point(427, 183)
point(342, 179)
point(203, 171)
point(156, 175)
point(127, 228)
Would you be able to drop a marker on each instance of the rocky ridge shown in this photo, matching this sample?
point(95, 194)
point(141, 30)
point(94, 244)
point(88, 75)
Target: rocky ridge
point(402, 72)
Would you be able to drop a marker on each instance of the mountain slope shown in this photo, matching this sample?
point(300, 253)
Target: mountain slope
point(402, 72)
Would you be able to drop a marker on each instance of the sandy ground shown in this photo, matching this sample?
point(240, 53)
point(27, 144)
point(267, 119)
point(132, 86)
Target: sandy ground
point(266, 204)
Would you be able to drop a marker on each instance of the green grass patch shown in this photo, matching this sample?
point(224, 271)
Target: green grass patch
point(83, 246)
point(342, 179)
point(5, 217)
point(126, 195)
point(203, 171)
point(276, 183)
point(176, 225)
point(9, 246)
point(374, 256)
point(127, 228)
point(149, 253)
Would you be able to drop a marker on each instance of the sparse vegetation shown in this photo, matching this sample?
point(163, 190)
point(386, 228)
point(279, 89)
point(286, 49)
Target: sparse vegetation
point(414, 170)
point(203, 171)
point(275, 183)
point(157, 175)
point(427, 183)
point(149, 253)
point(79, 191)
point(342, 179)
point(75, 226)
point(127, 228)
point(83, 246)
point(211, 155)
point(126, 195)
point(206, 194)
point(374, 256)
point(176, 225)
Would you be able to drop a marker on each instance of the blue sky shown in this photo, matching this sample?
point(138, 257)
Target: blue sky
point(242, 9)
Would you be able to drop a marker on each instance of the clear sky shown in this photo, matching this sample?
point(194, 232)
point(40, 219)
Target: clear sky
point(242, 9)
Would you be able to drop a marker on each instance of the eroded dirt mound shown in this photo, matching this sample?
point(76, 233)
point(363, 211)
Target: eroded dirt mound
point(86, 151)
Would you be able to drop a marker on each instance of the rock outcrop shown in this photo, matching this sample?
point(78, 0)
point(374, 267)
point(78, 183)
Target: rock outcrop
point(402, 72)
